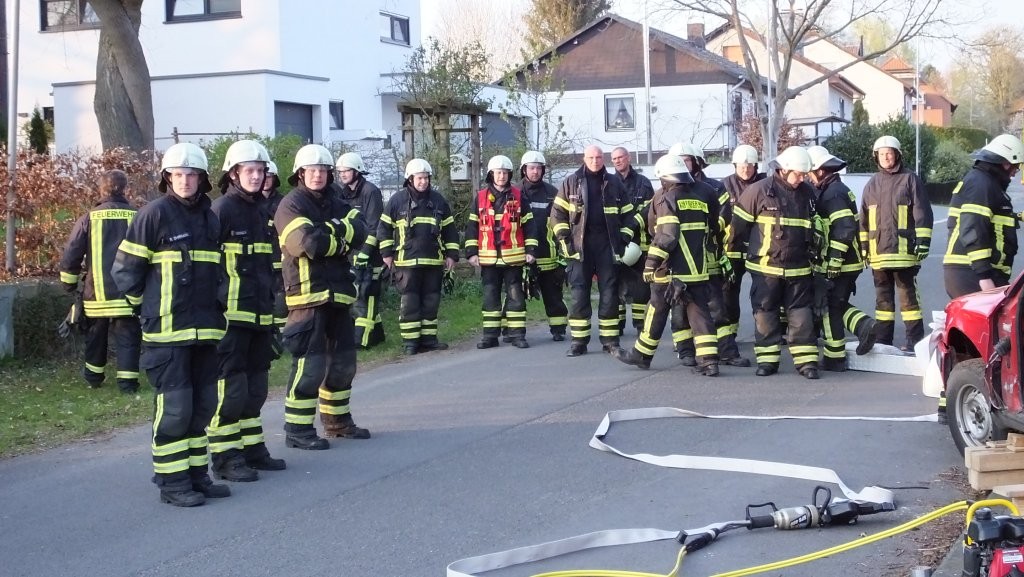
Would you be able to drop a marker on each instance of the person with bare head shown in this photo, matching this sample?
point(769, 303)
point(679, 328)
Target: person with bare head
point(632, 287)
point(593, 222)
point(89, 256)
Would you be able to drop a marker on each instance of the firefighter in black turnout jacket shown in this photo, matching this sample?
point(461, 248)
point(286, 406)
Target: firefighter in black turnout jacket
point(368, 266)
point(839, 265)
point(318, 232)
point(169, 268)
point(418, 242)
point(683, 215)
point(982, 224)
point(89, 256)
point(632, 288)
point(549, 267)
point(719, 268)
point(745, 173)
point(273, 196)
point(774, 221)
point(500, 241)
point(895, 236)
point(237, 444)
point(593, 221)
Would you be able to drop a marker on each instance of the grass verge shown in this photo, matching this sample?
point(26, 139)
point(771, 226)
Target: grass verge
point(46, 403)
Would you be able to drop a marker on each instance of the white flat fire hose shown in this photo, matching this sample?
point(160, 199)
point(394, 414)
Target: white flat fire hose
point(872, 495)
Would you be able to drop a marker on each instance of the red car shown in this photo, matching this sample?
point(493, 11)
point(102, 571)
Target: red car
point(980, 359)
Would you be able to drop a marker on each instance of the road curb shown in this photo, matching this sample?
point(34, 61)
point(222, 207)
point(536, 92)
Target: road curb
point(953, 563)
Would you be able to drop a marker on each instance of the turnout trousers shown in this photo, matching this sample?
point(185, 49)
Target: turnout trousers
point(727, 346)
point(184, 380)
point(128, 341)
point(236, 430)
point(840, 316)
point(684, 333)
point(796, 296)
point(635, 293)
point(497, 281)
point(890, 283)
point(580, 274)
point(366, 308)
point(321, 341)
point(693, 303)
point(961, 280)
point(551, 292)
point(420, 287)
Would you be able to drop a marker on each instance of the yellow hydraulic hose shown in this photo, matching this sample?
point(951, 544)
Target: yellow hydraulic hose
point(971, 507)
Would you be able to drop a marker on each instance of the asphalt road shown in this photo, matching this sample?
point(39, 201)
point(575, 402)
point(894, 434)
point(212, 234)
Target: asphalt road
point(479, 451)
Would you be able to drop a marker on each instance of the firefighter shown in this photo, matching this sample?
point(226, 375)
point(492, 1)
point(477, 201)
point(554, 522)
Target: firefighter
point(839, 264)
point(719, 270)
point(365, 196)
point(169, 268)
point(683, 215)
point(745, 166)
point(500, 241)
point(418, 242)
point(318, 232)
point(549, 267)
point(632, 287)
point(272, 193)
point(237, 444)
point(982, 224)
point(92, 246)
point(592, 219)
point(895, 235)
point(772, 223)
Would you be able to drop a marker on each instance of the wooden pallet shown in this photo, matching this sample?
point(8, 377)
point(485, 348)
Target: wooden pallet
point(998, 464)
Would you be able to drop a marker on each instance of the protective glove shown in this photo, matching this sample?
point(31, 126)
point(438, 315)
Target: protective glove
point(448, 282)
point(362, 260)
point(922, 251)
point(276, 345)
point(834, 267)
point(648, 275)
point(726, 267)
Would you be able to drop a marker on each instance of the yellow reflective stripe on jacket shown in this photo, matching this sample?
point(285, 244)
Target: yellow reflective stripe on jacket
point(183, 335)
point(777, 271)
point(797, 222)
point(135, 249)
point(292, 227)
point(68, 278)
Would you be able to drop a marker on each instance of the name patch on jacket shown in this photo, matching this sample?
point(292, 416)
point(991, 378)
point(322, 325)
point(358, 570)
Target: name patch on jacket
point(177, 237)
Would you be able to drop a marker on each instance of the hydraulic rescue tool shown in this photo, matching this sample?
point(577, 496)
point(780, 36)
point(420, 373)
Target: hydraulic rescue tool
point(822, 512)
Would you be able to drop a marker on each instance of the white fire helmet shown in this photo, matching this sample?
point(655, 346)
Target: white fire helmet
point(744, 154)
point(794, 158)
point(350, 161)
point(671, 168)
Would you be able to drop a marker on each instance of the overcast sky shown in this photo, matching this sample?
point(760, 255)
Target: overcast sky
point(975, 16)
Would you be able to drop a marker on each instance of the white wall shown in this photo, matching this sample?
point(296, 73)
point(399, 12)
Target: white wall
point(884, 94)
point(695, 113)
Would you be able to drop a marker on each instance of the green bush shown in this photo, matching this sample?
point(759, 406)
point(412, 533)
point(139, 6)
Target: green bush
point(36, 316)
point(950, 162)
point(904, 131)
point(969, 139)
point(282, 149)
point(855, 142)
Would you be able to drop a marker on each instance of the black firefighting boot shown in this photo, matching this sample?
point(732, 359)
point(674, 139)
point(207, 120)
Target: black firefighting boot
point(558, 333)
point(342, 426)
point(707, 368)
point(487, 343)
point(304, 437)
point(836, 365)
point(810, 371)
point(176, 489)
point(687, 359)
point(410, 348)
point(432, 345)
point(202, 483)
point(865, 336)
point(231, 466)
point(633, 357)
point(766, 369)
point(520, 343)
point(258, 457)
point(577, 348)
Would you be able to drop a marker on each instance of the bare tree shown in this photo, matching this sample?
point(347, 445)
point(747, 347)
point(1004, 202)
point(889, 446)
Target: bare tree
point(124, 97)
point(798, 24)
point(493, 25)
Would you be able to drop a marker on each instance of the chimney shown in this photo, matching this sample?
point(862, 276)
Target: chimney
point(695, 34)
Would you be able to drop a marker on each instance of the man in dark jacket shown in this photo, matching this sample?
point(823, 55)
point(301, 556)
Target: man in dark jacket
point(418, 242)
point(169, 268)
point(318, 232)
point(773, 220)
point(982, 224)
point(106, 311)
point(273, 196)
point(237, 445)
point(366, 197)
point(550, 267)
point(632, 287)
point(895, 236)
point(593, 221)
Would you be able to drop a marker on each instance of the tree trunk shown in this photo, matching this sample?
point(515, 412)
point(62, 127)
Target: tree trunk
point(124, 97)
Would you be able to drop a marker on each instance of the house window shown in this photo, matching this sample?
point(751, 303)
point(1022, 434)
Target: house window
point(394, 29)
point(619, 112)
point(190, 10)
point(66, 15)
point(336, 110)
point(842, 108)
point(48, 114)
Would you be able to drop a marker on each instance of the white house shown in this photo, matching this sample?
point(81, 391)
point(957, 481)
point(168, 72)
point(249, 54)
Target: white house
point(316, 68)
point(821, 110)
point(695, 95)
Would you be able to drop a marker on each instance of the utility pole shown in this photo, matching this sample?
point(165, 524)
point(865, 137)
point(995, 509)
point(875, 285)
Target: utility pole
point(12, 138)
point(647, 84)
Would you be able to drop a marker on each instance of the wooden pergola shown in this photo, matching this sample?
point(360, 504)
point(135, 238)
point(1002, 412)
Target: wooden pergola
point(438, 116)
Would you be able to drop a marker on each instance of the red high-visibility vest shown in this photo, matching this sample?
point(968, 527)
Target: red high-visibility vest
point(511, 249)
